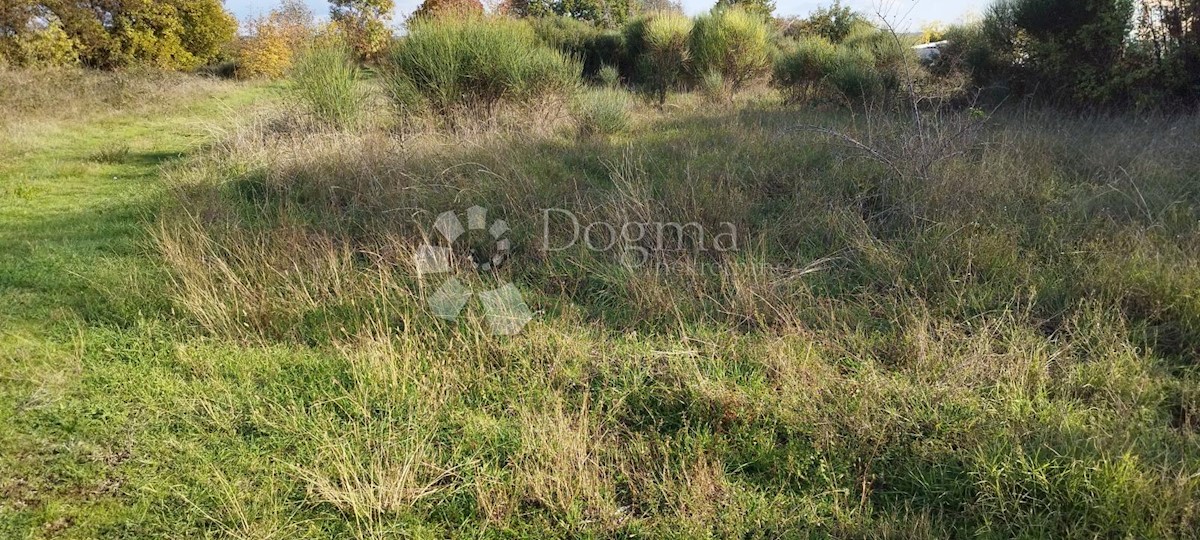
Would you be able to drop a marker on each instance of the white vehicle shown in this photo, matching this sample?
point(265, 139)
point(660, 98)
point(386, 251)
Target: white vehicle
point(930, 52)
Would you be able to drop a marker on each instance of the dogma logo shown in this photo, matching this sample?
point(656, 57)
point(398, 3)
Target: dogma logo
point(504, 307)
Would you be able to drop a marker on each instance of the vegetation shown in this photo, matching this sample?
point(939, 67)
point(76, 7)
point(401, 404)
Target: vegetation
point(170, 34)
point(761, 8)
point(834, 23)
point(277, 39)
point(448, 8)
point(475, 63)
point(660, 45)
point(595, 47)
point(604, 111)
point(1099, 53)
point(829, 307)
point(732, 43)
point(364, 22)
point(325, 81)
point(606, 13)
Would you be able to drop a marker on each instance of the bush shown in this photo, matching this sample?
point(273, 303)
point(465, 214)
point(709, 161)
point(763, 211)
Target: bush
point(365, 25)
point(609, 77)
point(1067, 51)
point(603, 111)
point(833, 23)
point(733, 43)
point(451, 63)
point(801, 70)
point(714, 88)
point(325, 81)
point(49, 47)
point(853, 74)
point(661, 44)
point(850, 71)
point(593, 46)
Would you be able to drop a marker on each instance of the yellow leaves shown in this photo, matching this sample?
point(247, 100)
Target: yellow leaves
point(277, 39)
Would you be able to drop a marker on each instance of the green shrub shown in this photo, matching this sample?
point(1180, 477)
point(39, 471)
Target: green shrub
point(603, 111)
point(714, 87)
point(593, 46)
point(661, 41)
point(1068, 51)
point(48, 47)
point(801, 71)
point(325, 81)
point(450, 63)
point(609, 77)
point(833, 23)
point(852, 73)
point(733, 43)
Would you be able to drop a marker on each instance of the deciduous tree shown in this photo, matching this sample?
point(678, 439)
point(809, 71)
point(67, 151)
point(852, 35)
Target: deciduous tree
point(365, 24)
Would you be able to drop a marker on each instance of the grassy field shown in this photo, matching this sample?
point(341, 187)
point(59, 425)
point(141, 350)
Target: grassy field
point(213, 324)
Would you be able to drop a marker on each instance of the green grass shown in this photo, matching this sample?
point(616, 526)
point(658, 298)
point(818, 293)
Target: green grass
point(973, 330)
point(83, 304)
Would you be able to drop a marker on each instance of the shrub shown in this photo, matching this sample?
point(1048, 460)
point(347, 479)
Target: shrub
point(603, 111)
point(760, 8)
point(661, 41)
point(325, 80)
point(444, 64)
point(448, 8)
point(595, 47)
point(48, 47)
point(852, 73)
point(1069, 51)
point(609, 77)
point(604, 13)
point(733, 43)
point(894, 60)
point(714, 88)
point(801, 70)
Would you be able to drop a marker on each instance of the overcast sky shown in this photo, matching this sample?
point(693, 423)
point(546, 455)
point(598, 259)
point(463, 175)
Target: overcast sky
point(904, 14)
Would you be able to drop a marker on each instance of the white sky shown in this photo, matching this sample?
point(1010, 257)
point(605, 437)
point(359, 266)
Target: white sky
point(904, 14)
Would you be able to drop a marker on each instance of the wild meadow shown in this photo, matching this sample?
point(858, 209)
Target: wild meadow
point(780, 282)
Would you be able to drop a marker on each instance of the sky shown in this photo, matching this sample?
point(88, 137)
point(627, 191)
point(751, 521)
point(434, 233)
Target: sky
point(903, 14)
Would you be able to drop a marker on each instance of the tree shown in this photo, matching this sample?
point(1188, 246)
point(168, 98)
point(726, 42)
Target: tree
point(601, 12)
point(1064, 49)
point(208, 29)
point(172, 34)
point(834, 23)
point(277, 39)
point(659, 6)
point(442, 8)
point(758, 7)
point(365, 24)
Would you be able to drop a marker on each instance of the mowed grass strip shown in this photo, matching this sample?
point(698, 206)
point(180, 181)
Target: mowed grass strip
point(80, 169)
